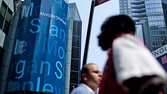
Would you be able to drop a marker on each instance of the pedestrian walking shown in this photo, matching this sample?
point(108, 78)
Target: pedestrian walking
point(131, 68)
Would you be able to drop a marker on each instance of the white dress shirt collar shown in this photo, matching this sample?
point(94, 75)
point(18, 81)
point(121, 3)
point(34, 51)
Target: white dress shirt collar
point(88, 88)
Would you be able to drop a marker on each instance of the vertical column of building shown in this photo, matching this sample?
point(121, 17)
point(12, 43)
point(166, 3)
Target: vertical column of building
point(76, 53)
point(75, 30)
point(7, 26)
point(69, 53)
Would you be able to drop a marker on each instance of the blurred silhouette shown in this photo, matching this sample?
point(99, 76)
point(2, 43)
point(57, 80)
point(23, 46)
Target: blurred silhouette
point(90, 80)
point(130, 68)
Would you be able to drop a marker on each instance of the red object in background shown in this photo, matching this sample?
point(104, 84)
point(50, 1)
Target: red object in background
point(98, 2)
point(164, 60)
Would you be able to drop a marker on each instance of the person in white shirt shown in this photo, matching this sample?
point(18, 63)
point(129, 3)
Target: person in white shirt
point(131, 68)
point(90, 79)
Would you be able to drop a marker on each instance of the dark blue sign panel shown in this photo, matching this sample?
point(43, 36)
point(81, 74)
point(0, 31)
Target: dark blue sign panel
point(38, 61)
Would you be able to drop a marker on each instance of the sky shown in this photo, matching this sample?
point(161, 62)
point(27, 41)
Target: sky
point(101, 12)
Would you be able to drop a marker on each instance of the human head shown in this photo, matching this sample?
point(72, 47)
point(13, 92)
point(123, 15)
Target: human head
point(113, 26)
point(91, 75)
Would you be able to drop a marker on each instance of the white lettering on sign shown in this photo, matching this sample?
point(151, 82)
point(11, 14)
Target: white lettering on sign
point(160, 51)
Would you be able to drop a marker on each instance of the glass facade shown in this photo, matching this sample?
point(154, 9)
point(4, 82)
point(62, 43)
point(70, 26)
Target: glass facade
point(124, 5)
point(164, 6)
point(6, 39)
point(76, 53)
point(75, 28)
point(156, 22)
point(5, 17)
point(138, 10)
point(73, 12)
point(150, 13)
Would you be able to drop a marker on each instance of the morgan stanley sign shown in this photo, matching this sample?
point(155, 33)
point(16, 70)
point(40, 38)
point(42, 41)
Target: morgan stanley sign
point(38, 60)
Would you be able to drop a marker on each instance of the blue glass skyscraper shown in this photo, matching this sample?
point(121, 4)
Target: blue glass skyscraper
point(151, 15)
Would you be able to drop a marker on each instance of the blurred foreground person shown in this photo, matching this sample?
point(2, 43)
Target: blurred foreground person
point(90, 79)
point(130, 68)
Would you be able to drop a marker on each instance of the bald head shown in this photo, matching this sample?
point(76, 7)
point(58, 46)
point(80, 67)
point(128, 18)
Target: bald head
point(91, 75)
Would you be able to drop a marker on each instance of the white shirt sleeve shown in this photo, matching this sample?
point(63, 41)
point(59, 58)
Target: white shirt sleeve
point(132, 59)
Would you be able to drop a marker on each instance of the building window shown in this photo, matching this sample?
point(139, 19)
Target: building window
point(1, 57)
point(5, 17)
point(9, 15)
point(3, 9)
point(6, 27)
point(1, 21)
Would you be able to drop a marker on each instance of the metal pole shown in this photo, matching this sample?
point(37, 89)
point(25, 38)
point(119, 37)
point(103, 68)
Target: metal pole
point(88, 33)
